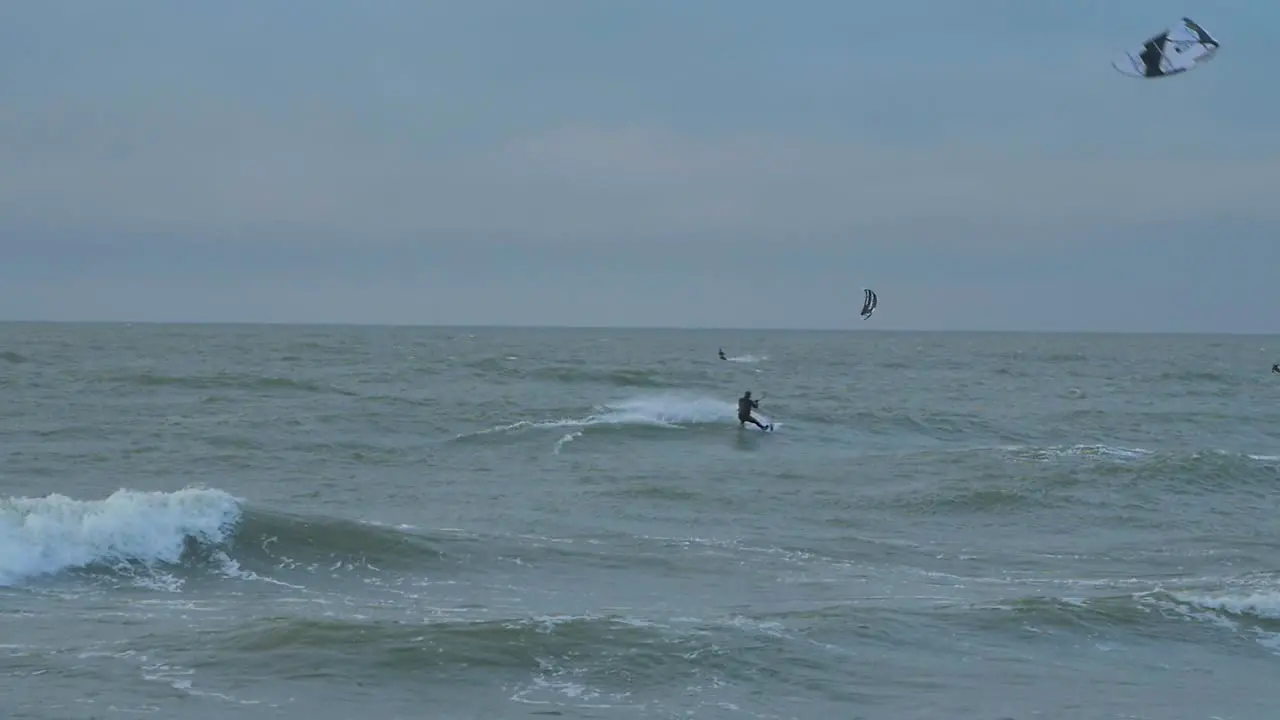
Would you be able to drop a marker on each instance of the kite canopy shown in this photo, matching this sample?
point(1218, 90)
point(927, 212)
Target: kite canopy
point(869, 304)
point(1176, 50)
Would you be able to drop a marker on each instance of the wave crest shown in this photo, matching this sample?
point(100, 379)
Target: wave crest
point(48, 535)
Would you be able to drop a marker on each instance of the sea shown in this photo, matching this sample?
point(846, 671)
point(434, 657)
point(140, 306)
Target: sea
point(378, 523)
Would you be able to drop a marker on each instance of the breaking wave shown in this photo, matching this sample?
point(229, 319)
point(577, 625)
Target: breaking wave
point(52, 534)
point(132, 531)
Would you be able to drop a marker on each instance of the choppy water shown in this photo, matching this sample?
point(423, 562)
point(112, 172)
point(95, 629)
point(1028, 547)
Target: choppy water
point(262, 522)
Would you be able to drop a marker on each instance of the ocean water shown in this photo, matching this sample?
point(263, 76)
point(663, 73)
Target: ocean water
point(377, 523)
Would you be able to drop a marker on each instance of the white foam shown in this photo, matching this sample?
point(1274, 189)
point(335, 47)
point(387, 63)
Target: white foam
point(1263, 604)
point(42, 536)
point(665, 410)
point(1087, 451)
point(669, 409)
point(230, 568)
point(568, 437)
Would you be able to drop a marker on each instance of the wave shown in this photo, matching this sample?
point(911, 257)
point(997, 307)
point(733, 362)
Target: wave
point(52, 534)
point(970, 499)
point(620, 377)
point(1038, 355)
point(193, 528)
point(506, 369)
point(298, 644)
point(1070, 476)
point(1059, 452)
point(569, 372)
point(615, 655)
point(228, 381)
point(936, 425)
point(1188, 470)
point(1258, 606)
point(599, 658)
point(163, 539)
point(293, 541)
point(1045, 614)
point(1197, 376)
point(1246, 606)
point(1144, 614)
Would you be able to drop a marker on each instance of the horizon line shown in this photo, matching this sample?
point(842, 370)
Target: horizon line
point(664, 328)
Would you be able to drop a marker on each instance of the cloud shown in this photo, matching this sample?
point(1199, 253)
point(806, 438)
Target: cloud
point(441, 122)
point(256, 172)
point(744, 181)
point(631, 163)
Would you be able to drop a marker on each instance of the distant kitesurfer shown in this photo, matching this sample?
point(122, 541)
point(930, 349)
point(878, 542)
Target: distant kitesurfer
point(722, 357)
point(745, 406)
point(1275, 368)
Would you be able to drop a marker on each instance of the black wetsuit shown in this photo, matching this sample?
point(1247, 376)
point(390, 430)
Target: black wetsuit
point(745, 406)
point(1275, 368)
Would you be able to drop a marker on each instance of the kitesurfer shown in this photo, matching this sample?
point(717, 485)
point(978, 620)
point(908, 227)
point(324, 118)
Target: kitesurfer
point(745, 406)
point(722, 357)
point(1275, 368)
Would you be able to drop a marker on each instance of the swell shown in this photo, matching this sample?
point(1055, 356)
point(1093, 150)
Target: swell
point(175, 537)
point(1036, 355)
point(1185, 471)
point(184, 531)
point(1196, 377)
point(935, 425)
point(1189, 615)
point(571, 374)
point(1118, 615)
point(1250, 603)
point(608, 654)
point(1145, 615)
point(290, 540)
point(226, 381)
point(616, 653)
point(620, 377)
point(1027, 478)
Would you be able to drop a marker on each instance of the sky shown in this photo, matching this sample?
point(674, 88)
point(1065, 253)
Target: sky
point(719, 163)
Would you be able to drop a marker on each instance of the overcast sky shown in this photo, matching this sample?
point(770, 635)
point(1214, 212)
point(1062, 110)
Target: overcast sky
point(740, 163)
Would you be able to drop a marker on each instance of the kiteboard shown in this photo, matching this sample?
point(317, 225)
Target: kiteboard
point(1173, 51)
